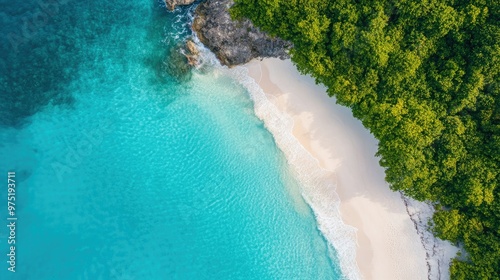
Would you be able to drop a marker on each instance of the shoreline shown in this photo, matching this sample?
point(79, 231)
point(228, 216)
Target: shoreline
point(387, 243)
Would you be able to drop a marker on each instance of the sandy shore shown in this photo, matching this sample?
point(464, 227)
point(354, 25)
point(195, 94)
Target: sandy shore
point(388, 246)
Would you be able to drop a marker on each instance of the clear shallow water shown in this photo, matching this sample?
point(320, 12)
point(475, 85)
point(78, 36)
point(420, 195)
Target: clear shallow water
point(124, 172)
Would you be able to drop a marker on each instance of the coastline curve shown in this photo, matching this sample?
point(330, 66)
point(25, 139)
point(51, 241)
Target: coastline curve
point(318, 189)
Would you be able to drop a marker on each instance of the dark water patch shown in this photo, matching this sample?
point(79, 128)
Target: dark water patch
point(23, 174)
point(23, 161)
point(43, 46)
point(38, 59)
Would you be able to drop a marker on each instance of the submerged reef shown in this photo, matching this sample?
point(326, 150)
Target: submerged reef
point(177, 63)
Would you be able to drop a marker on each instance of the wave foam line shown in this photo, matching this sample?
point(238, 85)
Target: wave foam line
point(318, 190)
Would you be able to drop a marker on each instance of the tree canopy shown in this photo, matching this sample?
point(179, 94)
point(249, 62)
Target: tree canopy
point(424, 77)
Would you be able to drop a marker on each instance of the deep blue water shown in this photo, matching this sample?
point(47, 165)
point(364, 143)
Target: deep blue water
point(126, 170)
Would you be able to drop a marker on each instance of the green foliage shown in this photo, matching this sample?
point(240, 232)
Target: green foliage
point(424, 77)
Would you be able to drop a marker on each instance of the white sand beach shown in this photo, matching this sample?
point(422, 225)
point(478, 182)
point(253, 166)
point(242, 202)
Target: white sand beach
point(388, 246)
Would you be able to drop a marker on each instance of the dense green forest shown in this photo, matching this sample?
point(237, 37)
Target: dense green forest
point(423, 76)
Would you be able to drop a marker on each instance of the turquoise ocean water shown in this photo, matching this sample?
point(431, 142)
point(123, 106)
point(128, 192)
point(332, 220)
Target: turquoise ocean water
point(126, 172)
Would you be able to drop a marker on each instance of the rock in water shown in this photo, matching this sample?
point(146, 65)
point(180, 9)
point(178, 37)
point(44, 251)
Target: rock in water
point(192, 54)
point(172, 3)
point(234, 42)
point(192, 48)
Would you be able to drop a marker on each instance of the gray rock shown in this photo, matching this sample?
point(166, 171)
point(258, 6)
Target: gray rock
point(234, 42)
point(172, 3)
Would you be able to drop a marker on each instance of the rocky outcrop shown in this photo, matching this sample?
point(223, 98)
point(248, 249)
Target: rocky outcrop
point(234, 42)
point(172, 3)
point(192, 53)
